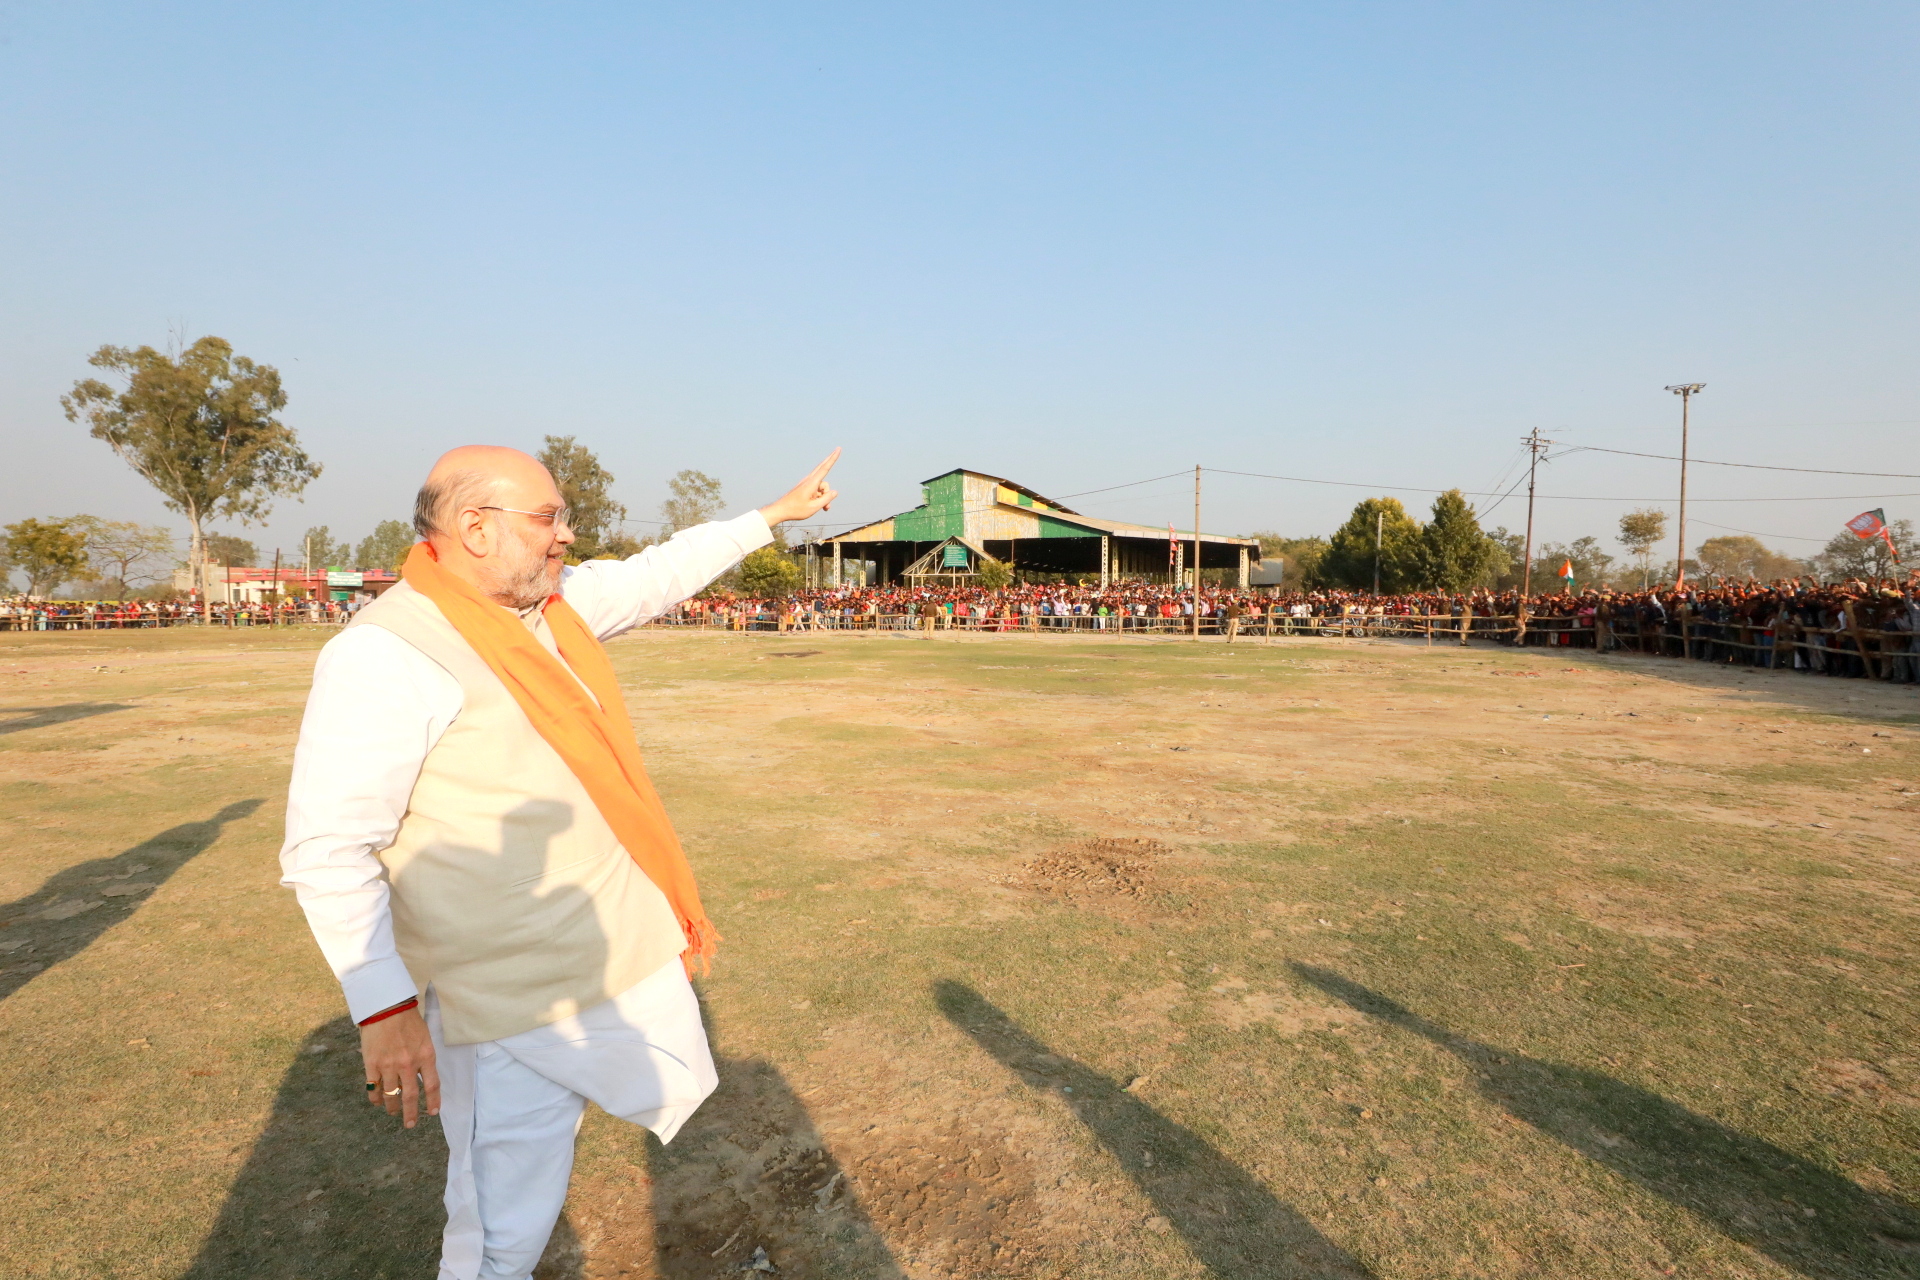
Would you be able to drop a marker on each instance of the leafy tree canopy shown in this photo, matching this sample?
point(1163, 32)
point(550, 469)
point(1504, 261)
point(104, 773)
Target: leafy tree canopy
point(200, 428)
point(1300, 555)
point(225, 549)
point(1590, 563)
point(1641, 531)
point(587, 489)
point(1454, 555)
point(693, 498)
point(386, 547)
point(1740, 556)
point(1510, 558)
point(1846, 556)
point(1351, 553)
point(769, 571)
point(995, 575)
point(49, 552)
point(319, 549)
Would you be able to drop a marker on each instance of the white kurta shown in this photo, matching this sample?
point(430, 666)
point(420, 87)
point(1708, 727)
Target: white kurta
point(509, 1107)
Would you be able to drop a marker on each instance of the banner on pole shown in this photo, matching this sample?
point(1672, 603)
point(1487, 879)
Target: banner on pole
point(1873, 524)
point(1868, 524)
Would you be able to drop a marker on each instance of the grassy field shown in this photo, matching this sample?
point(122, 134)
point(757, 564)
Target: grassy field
point(1045, 957)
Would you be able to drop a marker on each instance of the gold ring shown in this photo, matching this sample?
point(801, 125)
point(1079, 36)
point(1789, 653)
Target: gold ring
point(391, 1092)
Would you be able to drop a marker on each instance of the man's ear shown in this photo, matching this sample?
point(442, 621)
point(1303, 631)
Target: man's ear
point(473, 533)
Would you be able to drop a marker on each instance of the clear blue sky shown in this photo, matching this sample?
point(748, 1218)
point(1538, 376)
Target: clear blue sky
point(1073, 244)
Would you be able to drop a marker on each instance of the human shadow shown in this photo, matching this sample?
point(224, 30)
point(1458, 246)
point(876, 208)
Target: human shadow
point(73, 907)
point(18, 718)
point(1801, 1215)
point(750, 1171)
point(334, 1189)
point(1760, 687)
point(1233, 1225)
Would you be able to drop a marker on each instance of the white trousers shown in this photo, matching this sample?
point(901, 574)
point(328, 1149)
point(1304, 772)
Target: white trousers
point(510, 1109)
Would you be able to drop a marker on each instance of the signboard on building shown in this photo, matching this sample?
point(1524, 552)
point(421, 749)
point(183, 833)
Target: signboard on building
point(953, 557)
point(342, 578)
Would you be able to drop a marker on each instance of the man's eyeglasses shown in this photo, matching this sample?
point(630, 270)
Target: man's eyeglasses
point(558, 517)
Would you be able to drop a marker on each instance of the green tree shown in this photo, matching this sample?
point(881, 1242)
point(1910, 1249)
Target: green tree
point(995, 575)
point(1510, 557)
point(226, 549)
point(1742, 556)
point(770, 571)
point(1847, 556)
point(386, 547)
point(1301, 556)
point(320, 552)
point(1351, 554)
point(49, 552)
point(1589, 562)
point(199, 428)
point(586, 487)
point(1454, 554)
point(1640, 532)
point(125, 556)
point(693, 498)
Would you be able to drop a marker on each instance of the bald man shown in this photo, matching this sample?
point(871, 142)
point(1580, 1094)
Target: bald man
point(479, 854)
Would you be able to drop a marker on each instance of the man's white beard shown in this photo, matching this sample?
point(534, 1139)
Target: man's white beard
point(526, 584)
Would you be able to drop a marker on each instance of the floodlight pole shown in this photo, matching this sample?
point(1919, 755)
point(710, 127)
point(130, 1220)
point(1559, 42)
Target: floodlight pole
point(1196, 551)
point(1686, 391)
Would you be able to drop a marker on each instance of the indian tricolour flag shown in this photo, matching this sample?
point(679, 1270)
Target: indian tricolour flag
point(1566, 574)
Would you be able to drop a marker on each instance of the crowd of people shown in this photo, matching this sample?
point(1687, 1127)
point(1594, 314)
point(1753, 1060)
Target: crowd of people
point(1853, 628)
point(1844, 629)
point(22, 614)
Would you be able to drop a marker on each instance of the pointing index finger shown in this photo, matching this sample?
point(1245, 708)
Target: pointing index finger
point(820, 472)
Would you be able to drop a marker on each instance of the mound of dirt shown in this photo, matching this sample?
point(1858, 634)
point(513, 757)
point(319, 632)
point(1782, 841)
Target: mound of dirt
point(1102, 866)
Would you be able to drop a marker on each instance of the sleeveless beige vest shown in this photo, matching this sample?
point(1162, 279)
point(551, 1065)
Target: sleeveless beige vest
point(511, 895)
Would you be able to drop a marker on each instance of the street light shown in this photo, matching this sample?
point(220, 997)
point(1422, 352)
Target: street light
point(1686, 391)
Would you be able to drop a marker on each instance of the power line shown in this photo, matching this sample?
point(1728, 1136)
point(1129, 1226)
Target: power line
point(1790, 537)
point(1559, 497)
point(1130, 484)
point(1751, 466)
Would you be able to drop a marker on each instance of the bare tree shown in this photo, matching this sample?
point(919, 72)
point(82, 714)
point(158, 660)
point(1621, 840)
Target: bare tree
point(125, 555)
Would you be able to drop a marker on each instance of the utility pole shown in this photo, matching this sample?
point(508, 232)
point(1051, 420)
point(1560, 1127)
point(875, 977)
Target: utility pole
point(1379, 530)
point(1196, 551)
point(1686, 391)
point(273, 609)
point(1535, 447)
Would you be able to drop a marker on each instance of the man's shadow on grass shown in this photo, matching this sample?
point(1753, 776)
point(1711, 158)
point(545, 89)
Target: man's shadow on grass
point(1801, 1215)
point(1234, 1225)
point(751, 1171)
point(334, 1189)
point(17, 719)
point(73, 907)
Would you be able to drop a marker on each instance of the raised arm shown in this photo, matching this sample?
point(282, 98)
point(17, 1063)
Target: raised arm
point(616, 595)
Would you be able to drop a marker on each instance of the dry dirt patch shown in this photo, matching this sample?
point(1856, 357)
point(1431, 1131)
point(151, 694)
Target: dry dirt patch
point(1104, 866)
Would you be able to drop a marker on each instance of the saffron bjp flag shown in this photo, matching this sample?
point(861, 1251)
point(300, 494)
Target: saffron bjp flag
point(1873, 524)
point(1869, 524)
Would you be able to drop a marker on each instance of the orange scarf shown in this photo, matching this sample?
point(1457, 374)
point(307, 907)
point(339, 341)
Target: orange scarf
point(595, 739)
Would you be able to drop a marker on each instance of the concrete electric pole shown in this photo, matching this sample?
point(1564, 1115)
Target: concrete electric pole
point(1686, 391)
